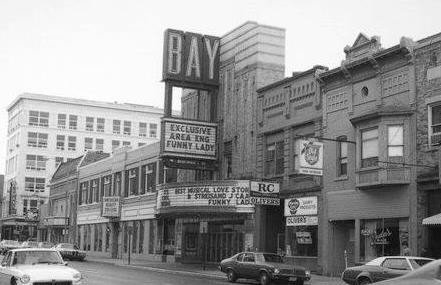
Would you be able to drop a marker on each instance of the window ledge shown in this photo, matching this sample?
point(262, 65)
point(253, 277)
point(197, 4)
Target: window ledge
point(370, 168)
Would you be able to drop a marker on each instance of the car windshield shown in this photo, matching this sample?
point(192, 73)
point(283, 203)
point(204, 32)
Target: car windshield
point(36, 257)
point(417, 263)
point(272, 258)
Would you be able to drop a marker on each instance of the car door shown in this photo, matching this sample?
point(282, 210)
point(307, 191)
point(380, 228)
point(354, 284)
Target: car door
point(395, 267)
point(5, 269)
point(238, 265)
point(249, 266)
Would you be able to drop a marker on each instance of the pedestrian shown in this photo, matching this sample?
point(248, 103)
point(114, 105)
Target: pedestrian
point(406, 249)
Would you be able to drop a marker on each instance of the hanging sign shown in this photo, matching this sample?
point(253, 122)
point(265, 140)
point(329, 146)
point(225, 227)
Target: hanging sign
point(266, 193)
point(111, 206)
point(310, 157)
point(301, 206)
point(302, 221)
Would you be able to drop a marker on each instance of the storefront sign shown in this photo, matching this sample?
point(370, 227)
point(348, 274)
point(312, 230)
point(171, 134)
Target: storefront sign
point(311, 157)
point(111, 206)
point(190, 58)
point(302, 221)
point(216, 194)
point(304, 237)
point(301, 206)
point(266, 193)
point(188, 139)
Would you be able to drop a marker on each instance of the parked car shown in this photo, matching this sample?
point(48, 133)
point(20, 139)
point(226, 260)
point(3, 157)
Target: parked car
point(70, 251)
point(6, 245)
point(46, 244)
point(382, 268)
point(36, 266)
point(264, 267)
point(428, 274)
point(28, 244)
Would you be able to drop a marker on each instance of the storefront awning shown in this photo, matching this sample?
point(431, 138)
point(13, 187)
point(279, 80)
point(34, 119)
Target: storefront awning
point(434, 220)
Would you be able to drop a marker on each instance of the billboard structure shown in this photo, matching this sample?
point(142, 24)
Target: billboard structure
point(190, 61)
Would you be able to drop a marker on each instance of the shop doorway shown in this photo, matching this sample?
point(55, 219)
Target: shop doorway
point(434, 242)
point(342, 246)
point(223, 245)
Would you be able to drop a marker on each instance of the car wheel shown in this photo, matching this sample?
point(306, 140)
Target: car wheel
point(231, 276)
point(299, 281)
point(264, 278)
point(364, 281)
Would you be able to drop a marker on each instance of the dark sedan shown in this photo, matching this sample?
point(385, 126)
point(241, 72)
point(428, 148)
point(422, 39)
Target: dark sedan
point(70, 251)
point(382, 268)
point(264, 267)
point(429, 274)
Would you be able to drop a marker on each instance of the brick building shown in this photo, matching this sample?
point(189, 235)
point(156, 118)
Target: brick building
point(428, 86)
point(289, 110)
point(369, 106)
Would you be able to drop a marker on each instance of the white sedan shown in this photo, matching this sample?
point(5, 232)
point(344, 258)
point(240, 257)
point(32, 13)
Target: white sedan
point(36, 266)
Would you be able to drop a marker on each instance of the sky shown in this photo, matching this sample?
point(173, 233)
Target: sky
point(111, 50)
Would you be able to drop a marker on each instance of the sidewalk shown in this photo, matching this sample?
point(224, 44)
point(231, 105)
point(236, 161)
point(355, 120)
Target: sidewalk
point(195, 270)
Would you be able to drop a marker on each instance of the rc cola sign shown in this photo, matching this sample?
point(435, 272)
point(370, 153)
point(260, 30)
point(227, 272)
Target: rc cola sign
point(311, 157)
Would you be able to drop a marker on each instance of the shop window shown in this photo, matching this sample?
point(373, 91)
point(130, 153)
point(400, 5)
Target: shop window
point(73, 122)
point(274, 158)
point(369, 147)
point(302, 241)
point(107, 237)
point(88, 144)
point(126, 237)
point(382, 237)
point(342, 154)
point(170, 175)
point(96, 236)
point(116, 127)
point(89, 123)
point(61, 123)
point(100, 124)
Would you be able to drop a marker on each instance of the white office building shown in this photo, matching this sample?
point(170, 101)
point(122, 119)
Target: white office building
point(45, 130)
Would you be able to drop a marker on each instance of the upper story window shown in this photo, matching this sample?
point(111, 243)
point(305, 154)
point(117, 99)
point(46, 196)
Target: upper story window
point(58, 161)
point(82, 199)
point(88, 144)
point(73, 122)
point(140, 144)
point(100, 124)
point(35, 162)
point(117, 183)
point(132, 182)
point(61, 123)
point(60, 142)
point(342, 157)
point(107, 185)
point(434, 125)
point(37, 140)
point(274, 158)
point(116, 127)
point(89, 123)
point(153, 130)
point(95, 190)
point(127, 128)
point(30, 205)
point(34, 184)
point(126, 143)
point(115, 144)
point(369, 147)
point(395, 144)
point(142, 129)
point(99, 144)
point(148, 181)
point(72, 143)
point(37, 118)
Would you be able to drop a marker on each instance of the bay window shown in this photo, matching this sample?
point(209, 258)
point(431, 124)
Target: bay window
point(369, 147)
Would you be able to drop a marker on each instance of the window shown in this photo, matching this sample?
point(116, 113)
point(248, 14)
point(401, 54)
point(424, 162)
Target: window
point(396, 264)
point(142, 129)
point(60, 142)
point(82, 199)
point(126, 143)
point(100, 125)
point(61, 121)
point(170, 175)
point(302, 241)
point(141, 144)
point(37, 118)
point(37, 140)
point(89, 123)
point(34, 184)
point(395, 145)
point(58, 161)
point(228, 158)
point(99, 144)
point(30, 205)
point(95, 190)
point(117, 187)
point(127, 127)
point(73, 122)
point(148, 181)
point(72, 143)
point(35, 162)
point(342, 167)
point(435, 125)
point(153, 130)
point(369, 147)
point(115, 144)
point(132, 182)
point(107, 186)
point(116, 126)
point(274, 158)
point(88, 143)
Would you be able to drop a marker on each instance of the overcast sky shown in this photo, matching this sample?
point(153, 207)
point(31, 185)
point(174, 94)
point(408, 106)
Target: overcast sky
point(112, 50)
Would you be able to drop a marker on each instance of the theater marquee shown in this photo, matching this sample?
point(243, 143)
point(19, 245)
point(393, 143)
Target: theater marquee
point(188, 139)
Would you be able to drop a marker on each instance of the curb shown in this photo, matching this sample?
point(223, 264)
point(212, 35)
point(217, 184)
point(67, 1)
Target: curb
point(156, 269)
